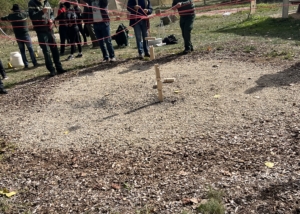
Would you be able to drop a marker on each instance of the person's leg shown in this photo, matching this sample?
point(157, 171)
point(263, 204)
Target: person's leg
point(21, 45)
point(55, 52)
point(90, 28)
point(182, 24)
point(30, 50)
point(99, 34)
point(107, 40)
point(187, 29)
point(72, 39)
point(2, 90)
point(144, 35)
point(2, 70)
point(62, 37)
point(77, 36)
point(82, 32)
point(43, 38)
point(138, 37)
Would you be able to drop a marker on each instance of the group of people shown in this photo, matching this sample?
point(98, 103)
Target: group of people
point(95, 17)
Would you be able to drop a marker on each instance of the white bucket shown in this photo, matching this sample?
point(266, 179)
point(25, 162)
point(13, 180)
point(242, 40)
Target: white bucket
point(16, 59)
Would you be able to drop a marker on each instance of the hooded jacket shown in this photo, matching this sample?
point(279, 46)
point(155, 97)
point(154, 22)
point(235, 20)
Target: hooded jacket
point(40, 20)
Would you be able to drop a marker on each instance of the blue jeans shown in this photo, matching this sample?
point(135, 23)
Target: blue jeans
point(140, 32)
point(22, 41)
point(102, 31)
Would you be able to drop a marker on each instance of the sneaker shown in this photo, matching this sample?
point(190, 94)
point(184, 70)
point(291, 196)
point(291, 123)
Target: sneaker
point(61, 71)
point(147, 55)
point(52, 74)
point(186, 52)
point(113, 59)
point(3, 91)
point(141, 56)
point(5, 78)
point(70, 57)
point(105, 60)
point(79, 55)
point(25, 68)
point(36, 65)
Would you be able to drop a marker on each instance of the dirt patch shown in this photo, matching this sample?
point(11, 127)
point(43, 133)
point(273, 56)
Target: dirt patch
point(98, 140)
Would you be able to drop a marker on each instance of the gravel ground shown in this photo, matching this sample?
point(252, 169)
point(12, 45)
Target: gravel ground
point(98, 140)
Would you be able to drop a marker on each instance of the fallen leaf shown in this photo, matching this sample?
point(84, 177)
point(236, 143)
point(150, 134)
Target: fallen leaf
point(115, 186)
point(66, 132)
point(176, 92)
point(269, 164)
point(217, 96)
point(7, 193)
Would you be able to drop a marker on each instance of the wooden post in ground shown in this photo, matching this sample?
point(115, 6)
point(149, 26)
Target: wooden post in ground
point(252, 6)
point(285, 8)
point(152, 55)
point(159, 83)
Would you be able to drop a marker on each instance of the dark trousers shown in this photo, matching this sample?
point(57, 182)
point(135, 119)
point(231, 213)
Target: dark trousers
point(48, 43)
point(63, 36)
point(186, 24)
point(74, 38)
point(102, 30)
point(26, 41)
point(2, 70)
point(81, 30)
point(141, 32)
point(90, 28)
point(1, 86)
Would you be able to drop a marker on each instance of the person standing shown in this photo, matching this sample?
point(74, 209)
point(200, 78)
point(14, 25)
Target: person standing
point(41, 15)
point(18, 21)
point(186, 10)
point(101, 22)
point(138, 8)
point(62, 29)
point(71, 20)
point(88, 24)
point(78, 12)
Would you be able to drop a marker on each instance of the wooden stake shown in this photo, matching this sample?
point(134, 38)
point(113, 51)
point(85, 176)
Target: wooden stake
point(252, 6)
point(159, 83)
point(152, 55)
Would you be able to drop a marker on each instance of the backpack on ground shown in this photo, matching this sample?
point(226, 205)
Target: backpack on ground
point(121, 36)
point(171, 39)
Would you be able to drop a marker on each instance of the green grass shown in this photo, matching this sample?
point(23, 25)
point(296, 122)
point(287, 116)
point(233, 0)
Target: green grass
point(214, 204)
point(238, 32)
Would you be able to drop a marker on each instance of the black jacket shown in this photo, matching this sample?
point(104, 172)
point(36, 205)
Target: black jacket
point(19, 22)
point(40, 20)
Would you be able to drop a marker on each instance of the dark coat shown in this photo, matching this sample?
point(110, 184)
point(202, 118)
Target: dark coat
point(134, 13)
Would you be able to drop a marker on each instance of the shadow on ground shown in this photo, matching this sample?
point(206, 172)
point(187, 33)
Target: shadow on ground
point(283, 78)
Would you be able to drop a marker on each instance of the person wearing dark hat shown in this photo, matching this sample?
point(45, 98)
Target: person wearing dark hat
point(41, 15)
point(18, 20)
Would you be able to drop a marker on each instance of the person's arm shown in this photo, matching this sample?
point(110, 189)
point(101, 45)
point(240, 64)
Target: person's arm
point(103, 3)
point(149, 8)
point(35, 12)
point(4, 18)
